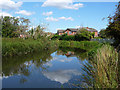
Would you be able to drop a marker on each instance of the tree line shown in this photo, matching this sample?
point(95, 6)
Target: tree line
point(81, 35)
point(113, 29)
point(14, 27)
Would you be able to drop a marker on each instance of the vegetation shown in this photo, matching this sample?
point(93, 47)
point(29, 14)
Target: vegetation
point(102, 67)
point(19, 27)
point(13, 27)
point(17, 46)
point(85, 45)
point(16, 65)
point(102, 33)
point(82, 35)
point(113, 29)
point(102, 70)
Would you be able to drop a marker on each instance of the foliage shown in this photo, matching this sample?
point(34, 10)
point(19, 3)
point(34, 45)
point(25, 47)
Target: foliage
point(9, 26)
point(15, 65)
point(103, 33)
point(13, 27)
point(66, 37)
point(113, 29)
point(82, 35)
point(56, 37)
point(103, 68)
point(85, 45)
point(17, 46)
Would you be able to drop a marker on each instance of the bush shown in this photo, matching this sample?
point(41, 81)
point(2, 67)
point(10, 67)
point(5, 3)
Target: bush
point(17, 46)
point(56, 37)
point(81, 37)
point(86, 45)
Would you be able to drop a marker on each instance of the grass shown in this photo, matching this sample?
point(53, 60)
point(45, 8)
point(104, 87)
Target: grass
point(106, 65)
point(103, 68)
point(17, 46)
point(85, 45)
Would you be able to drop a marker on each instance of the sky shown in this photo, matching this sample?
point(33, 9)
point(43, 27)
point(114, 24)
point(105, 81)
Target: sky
point(60, 14)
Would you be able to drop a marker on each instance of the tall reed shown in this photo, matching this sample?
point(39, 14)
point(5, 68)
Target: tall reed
point(106, 67)
point(103, 68)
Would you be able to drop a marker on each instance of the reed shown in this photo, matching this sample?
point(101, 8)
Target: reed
point(103, 68)
point(17, 46)
point(106, 67)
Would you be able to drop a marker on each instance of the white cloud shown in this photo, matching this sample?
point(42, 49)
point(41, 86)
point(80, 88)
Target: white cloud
point(51, 19)
point(24, 12)
point(69, 18)
point(78, 26)
point(47, 13)
point(62, 76)
point(5, 14)
point(65, 4)
point(8, 4)
point(60, 18)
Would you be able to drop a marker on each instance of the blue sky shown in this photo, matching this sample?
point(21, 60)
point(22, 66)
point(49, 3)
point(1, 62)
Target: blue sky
point(61, 16)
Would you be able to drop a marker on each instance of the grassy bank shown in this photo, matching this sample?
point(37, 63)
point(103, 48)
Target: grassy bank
point(85, 45)
point(17, 46)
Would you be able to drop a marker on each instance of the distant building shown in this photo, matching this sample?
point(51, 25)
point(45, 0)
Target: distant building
point(68, 31)
point(73, 31)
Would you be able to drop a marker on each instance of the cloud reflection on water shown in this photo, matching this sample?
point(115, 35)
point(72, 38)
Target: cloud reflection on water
point(62, 76)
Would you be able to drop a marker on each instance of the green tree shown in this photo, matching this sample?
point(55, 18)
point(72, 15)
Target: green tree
point(102, 33)
point(39, 32)
point(9, 26)
point(113, 29)
point(83, 34)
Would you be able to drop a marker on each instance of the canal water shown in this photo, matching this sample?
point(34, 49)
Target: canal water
point(62, 68)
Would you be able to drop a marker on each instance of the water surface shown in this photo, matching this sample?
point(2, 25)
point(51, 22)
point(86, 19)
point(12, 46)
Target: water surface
point(45, 69)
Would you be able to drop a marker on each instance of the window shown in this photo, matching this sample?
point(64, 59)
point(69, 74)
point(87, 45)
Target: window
point(70, 32)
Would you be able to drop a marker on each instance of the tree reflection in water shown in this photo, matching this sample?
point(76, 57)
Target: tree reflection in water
point(20, 65)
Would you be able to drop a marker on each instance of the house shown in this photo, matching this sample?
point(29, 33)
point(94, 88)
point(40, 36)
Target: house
point(68, 31)
point(73, 31)
point(60, 32)
point(92, 30)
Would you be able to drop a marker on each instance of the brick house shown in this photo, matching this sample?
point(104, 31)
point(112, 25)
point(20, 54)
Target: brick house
point(73, 31)
point(68, 31)
point(92, 30)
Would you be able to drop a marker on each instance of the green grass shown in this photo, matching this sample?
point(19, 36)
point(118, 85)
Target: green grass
point(106, 65)
point(86, 45)
point(102, 69)
point(17, 46)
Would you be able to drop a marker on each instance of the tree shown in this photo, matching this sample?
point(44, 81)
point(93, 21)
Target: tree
point(113, 29)
point(102, 33)
point(23, 25)
point(9, 26)
point(39, 32)
point(83, 34)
